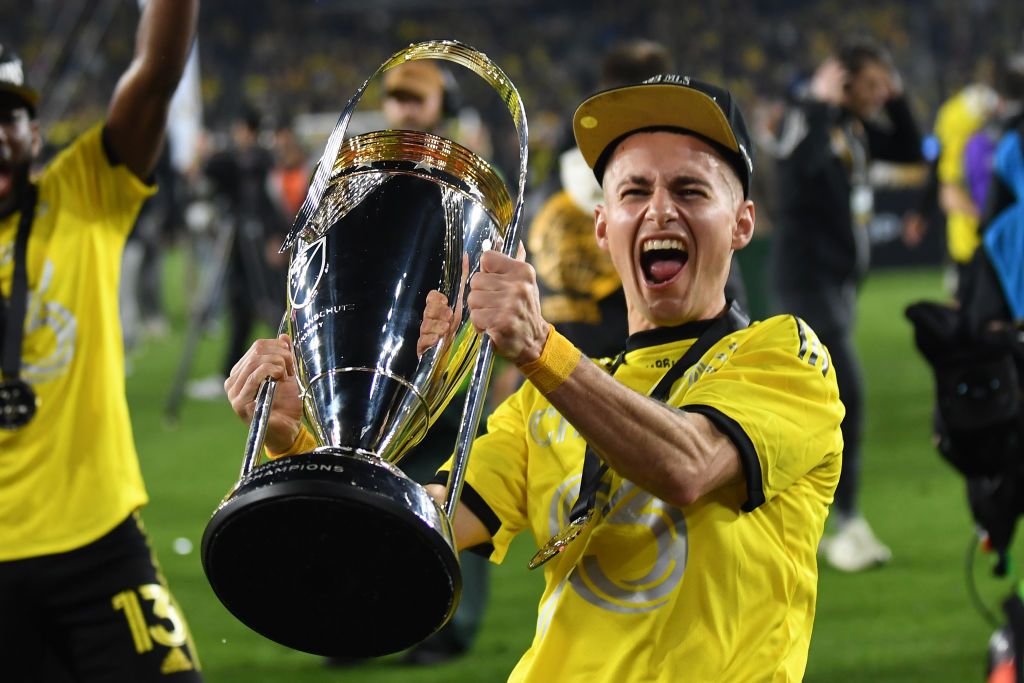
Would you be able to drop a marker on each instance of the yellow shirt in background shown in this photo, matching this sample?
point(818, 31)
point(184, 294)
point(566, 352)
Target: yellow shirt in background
point(72, 474)
point(957, 120)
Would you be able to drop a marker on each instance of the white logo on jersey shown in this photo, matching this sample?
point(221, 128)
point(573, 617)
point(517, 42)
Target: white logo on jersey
point(635, 589)
point(41, 315)
point(545, 435)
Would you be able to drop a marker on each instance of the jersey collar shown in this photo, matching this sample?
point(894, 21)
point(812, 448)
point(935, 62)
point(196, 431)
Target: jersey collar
point(666, 335)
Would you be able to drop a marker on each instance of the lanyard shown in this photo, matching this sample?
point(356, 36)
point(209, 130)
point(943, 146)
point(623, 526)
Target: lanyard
point(12, 311)
point(594, 469)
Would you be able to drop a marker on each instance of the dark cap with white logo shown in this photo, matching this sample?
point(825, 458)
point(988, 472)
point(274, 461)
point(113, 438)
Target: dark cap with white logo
point(12, 78)
point(664, 102)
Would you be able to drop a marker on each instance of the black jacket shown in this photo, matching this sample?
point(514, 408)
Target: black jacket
point(824, 155)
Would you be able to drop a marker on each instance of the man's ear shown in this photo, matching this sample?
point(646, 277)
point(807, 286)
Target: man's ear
point(37, 138)
point(601, 227)
point(743, 231)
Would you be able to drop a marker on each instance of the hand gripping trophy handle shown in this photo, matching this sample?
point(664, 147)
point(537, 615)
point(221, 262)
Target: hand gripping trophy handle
point(336, 551)
point(260, 419)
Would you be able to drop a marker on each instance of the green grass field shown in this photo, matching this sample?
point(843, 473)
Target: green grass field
point(910, 621)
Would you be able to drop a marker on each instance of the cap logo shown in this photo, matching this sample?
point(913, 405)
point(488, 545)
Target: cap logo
point(11, 72)
point(588, 122)
point(668, 78)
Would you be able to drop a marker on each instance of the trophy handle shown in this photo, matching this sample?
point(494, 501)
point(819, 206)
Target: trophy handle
point(449, 50)
point(468, 427)
point(258, 426)
point(261, 416)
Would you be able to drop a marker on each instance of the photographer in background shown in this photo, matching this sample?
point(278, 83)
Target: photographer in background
point(853, 112)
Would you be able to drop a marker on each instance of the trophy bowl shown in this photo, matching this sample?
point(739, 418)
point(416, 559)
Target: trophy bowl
point(336, 551)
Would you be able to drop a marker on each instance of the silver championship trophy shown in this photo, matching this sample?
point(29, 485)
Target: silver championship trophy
point(336, 551)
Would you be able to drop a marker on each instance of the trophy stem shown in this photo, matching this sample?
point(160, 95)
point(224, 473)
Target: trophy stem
point(258, 426)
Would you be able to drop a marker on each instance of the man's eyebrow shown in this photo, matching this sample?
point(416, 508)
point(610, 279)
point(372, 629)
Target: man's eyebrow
point(635, 180)
point(690, 180)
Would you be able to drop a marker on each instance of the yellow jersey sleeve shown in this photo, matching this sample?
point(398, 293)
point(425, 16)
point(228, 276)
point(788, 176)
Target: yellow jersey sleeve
point(76, 474)
point(959, 118)
point(95, 190)
point(772, 389)
point(496, 474)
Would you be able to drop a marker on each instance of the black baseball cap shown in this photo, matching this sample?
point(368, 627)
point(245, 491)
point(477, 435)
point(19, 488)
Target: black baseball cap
point(12, 78)
point(666, 102)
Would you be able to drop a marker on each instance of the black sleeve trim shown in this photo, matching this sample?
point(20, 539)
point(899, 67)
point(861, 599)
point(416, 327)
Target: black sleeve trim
point(479, 507)
point(803, 339)
point(748, 456)
point(108, 149)
point(114, 160)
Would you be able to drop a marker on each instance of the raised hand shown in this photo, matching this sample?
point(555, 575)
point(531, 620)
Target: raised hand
point(268, 358)
point(829, 82)
point(504, 302)
point(440, 321)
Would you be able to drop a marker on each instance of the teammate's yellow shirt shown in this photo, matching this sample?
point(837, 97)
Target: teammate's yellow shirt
point(575, 272)
point(72, 474)
point(722, 590)
point(956, 121)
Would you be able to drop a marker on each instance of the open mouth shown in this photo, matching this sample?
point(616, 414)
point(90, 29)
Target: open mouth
point(662, 260)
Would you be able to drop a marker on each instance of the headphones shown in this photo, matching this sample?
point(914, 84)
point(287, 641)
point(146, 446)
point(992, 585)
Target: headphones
point(451, 97)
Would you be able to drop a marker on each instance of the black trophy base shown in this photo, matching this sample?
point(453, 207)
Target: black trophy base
point(333, 554)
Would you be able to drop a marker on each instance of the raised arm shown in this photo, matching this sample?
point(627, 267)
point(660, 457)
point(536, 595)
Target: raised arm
point(674, 455)
point(137, 114)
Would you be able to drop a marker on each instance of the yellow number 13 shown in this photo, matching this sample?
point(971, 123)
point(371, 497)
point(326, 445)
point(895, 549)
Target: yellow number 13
point(142, 633)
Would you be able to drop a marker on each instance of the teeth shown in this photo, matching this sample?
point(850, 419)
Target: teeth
point(653, 245)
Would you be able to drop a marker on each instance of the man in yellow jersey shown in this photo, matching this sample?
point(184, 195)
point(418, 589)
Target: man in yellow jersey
point(700, 510)
point(80, 595)
point(959, 118)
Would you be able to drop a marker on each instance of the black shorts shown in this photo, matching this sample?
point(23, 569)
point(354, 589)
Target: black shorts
point(99, 613)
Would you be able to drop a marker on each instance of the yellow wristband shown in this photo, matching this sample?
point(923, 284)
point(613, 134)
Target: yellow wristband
point(556, 362)
point(304, 443)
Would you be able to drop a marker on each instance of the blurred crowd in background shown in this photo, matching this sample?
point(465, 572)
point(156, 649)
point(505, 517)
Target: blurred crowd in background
point(284, 59)
point(285, 71)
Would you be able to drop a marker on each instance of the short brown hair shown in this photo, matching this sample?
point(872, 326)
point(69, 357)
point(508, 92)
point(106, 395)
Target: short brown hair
point(857, 52)
point(634, 61)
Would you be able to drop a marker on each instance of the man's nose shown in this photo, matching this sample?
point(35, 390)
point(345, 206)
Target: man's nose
point(661, 209)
